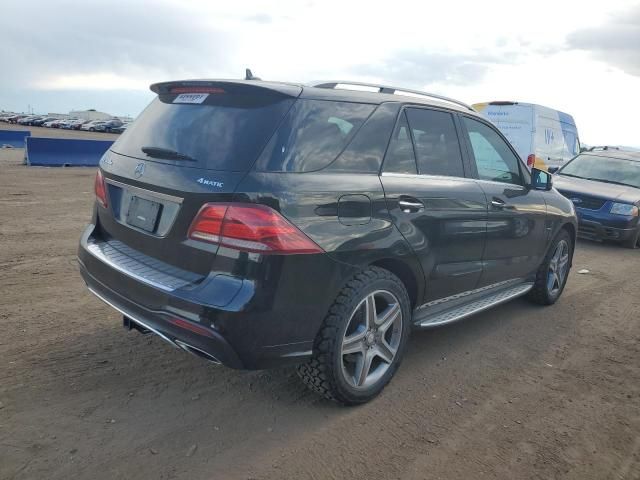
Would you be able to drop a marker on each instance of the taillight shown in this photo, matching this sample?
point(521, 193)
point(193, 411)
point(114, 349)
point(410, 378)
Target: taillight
point(531, 160)
point(251, 228)
point(100, 189)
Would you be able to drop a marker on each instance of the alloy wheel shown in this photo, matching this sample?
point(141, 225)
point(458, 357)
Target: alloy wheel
point(558, 268)
point(371, 339)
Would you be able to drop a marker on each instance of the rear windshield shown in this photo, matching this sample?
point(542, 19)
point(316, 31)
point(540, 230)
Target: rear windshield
point(312, 135)
point(224, 132)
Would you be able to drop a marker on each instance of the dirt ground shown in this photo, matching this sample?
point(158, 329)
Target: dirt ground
point(520, 392)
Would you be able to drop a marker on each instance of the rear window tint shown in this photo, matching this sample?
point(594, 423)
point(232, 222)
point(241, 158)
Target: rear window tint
point(225, 132)
point(312, 135)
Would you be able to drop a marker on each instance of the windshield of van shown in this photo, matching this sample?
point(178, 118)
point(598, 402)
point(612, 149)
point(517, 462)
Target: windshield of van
point(224, 132)
point(604, 169)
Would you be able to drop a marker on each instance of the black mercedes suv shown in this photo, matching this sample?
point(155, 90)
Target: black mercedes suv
point(257, 224)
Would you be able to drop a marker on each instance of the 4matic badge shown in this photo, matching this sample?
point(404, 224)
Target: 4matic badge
point(212, 183)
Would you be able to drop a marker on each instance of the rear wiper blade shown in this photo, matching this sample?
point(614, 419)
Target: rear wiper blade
point(159, 152)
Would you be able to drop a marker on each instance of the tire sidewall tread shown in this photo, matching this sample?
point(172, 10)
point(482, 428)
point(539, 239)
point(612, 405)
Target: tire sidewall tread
point(322, 373)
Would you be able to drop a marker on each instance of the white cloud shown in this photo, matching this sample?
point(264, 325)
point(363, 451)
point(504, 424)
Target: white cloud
point(472, 50)
point(97, 81)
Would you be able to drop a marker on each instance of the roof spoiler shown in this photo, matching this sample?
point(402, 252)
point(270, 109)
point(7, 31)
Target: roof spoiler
point(238, 87)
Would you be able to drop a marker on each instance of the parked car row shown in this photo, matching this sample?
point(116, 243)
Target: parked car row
point(113, 125)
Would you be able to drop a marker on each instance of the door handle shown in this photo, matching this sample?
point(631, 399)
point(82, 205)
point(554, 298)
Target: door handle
point(410, 205)
point(500, 204)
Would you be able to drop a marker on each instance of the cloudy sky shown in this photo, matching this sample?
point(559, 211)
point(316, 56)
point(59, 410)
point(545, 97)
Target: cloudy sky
point(582, 57)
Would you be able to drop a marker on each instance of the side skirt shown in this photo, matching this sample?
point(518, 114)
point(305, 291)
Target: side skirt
point(458, 307)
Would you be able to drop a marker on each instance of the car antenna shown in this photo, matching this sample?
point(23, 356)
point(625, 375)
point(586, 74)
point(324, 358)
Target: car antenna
point(249, 76)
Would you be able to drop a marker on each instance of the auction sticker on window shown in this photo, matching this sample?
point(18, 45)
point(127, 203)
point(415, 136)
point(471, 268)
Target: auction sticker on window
point(191, 98)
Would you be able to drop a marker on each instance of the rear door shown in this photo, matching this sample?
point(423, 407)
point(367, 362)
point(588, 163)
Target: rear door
point(516, 231)
point(441, 213)
point(193, 144)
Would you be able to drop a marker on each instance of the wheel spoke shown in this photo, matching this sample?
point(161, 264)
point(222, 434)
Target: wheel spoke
point(370, 312)
point(363, 367)
point(558, 253)
point(551, 280)
point(384, 351)
point(388, 317)
point(353, 344)
point(562, 263)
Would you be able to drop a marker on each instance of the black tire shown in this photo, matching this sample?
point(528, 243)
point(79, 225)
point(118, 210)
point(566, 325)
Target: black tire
point(325, 373)
point(541, 293)
point(633, 241)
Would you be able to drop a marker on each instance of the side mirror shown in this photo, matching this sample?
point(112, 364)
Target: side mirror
point(540, 180)
point(553, 170)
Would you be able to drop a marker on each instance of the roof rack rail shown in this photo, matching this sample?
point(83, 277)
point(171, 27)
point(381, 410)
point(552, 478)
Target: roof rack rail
point(602, 147)
point(387, 89)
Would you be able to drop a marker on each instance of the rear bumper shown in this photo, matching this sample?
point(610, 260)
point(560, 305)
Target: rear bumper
point(212, 346)
point(268, 320)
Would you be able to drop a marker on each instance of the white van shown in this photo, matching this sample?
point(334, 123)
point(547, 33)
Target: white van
point(543, 137)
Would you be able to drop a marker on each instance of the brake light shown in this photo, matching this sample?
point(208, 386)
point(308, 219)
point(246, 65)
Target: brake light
point(196, 90)
point(531, 160)
point(251, 228)
point(100, 189)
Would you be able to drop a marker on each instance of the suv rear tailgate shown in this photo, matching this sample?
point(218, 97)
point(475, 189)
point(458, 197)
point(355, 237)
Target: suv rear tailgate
point(212, 138)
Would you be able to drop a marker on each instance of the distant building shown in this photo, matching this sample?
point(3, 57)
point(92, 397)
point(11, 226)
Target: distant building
point(90, 115)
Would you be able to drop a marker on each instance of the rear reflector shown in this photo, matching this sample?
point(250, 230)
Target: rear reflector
point(196, 90)
point(100, 189)
point(251, 228)
point(179, 322)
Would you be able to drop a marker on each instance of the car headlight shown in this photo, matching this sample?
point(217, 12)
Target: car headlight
point(624, 209)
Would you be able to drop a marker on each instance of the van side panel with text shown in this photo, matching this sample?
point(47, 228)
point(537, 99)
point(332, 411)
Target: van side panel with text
point(543, 137)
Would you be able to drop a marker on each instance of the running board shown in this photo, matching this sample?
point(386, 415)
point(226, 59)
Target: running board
point(423, 319)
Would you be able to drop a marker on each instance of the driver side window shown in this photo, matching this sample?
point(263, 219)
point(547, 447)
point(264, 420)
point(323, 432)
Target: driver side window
point(494, 159)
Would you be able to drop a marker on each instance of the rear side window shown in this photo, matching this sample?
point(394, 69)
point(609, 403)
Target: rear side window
point(224, 132)
point(436, 142)
point(312, 135)
point(400, 157)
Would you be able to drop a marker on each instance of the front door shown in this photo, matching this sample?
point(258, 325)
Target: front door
point(441, 213)
point(516, 213)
